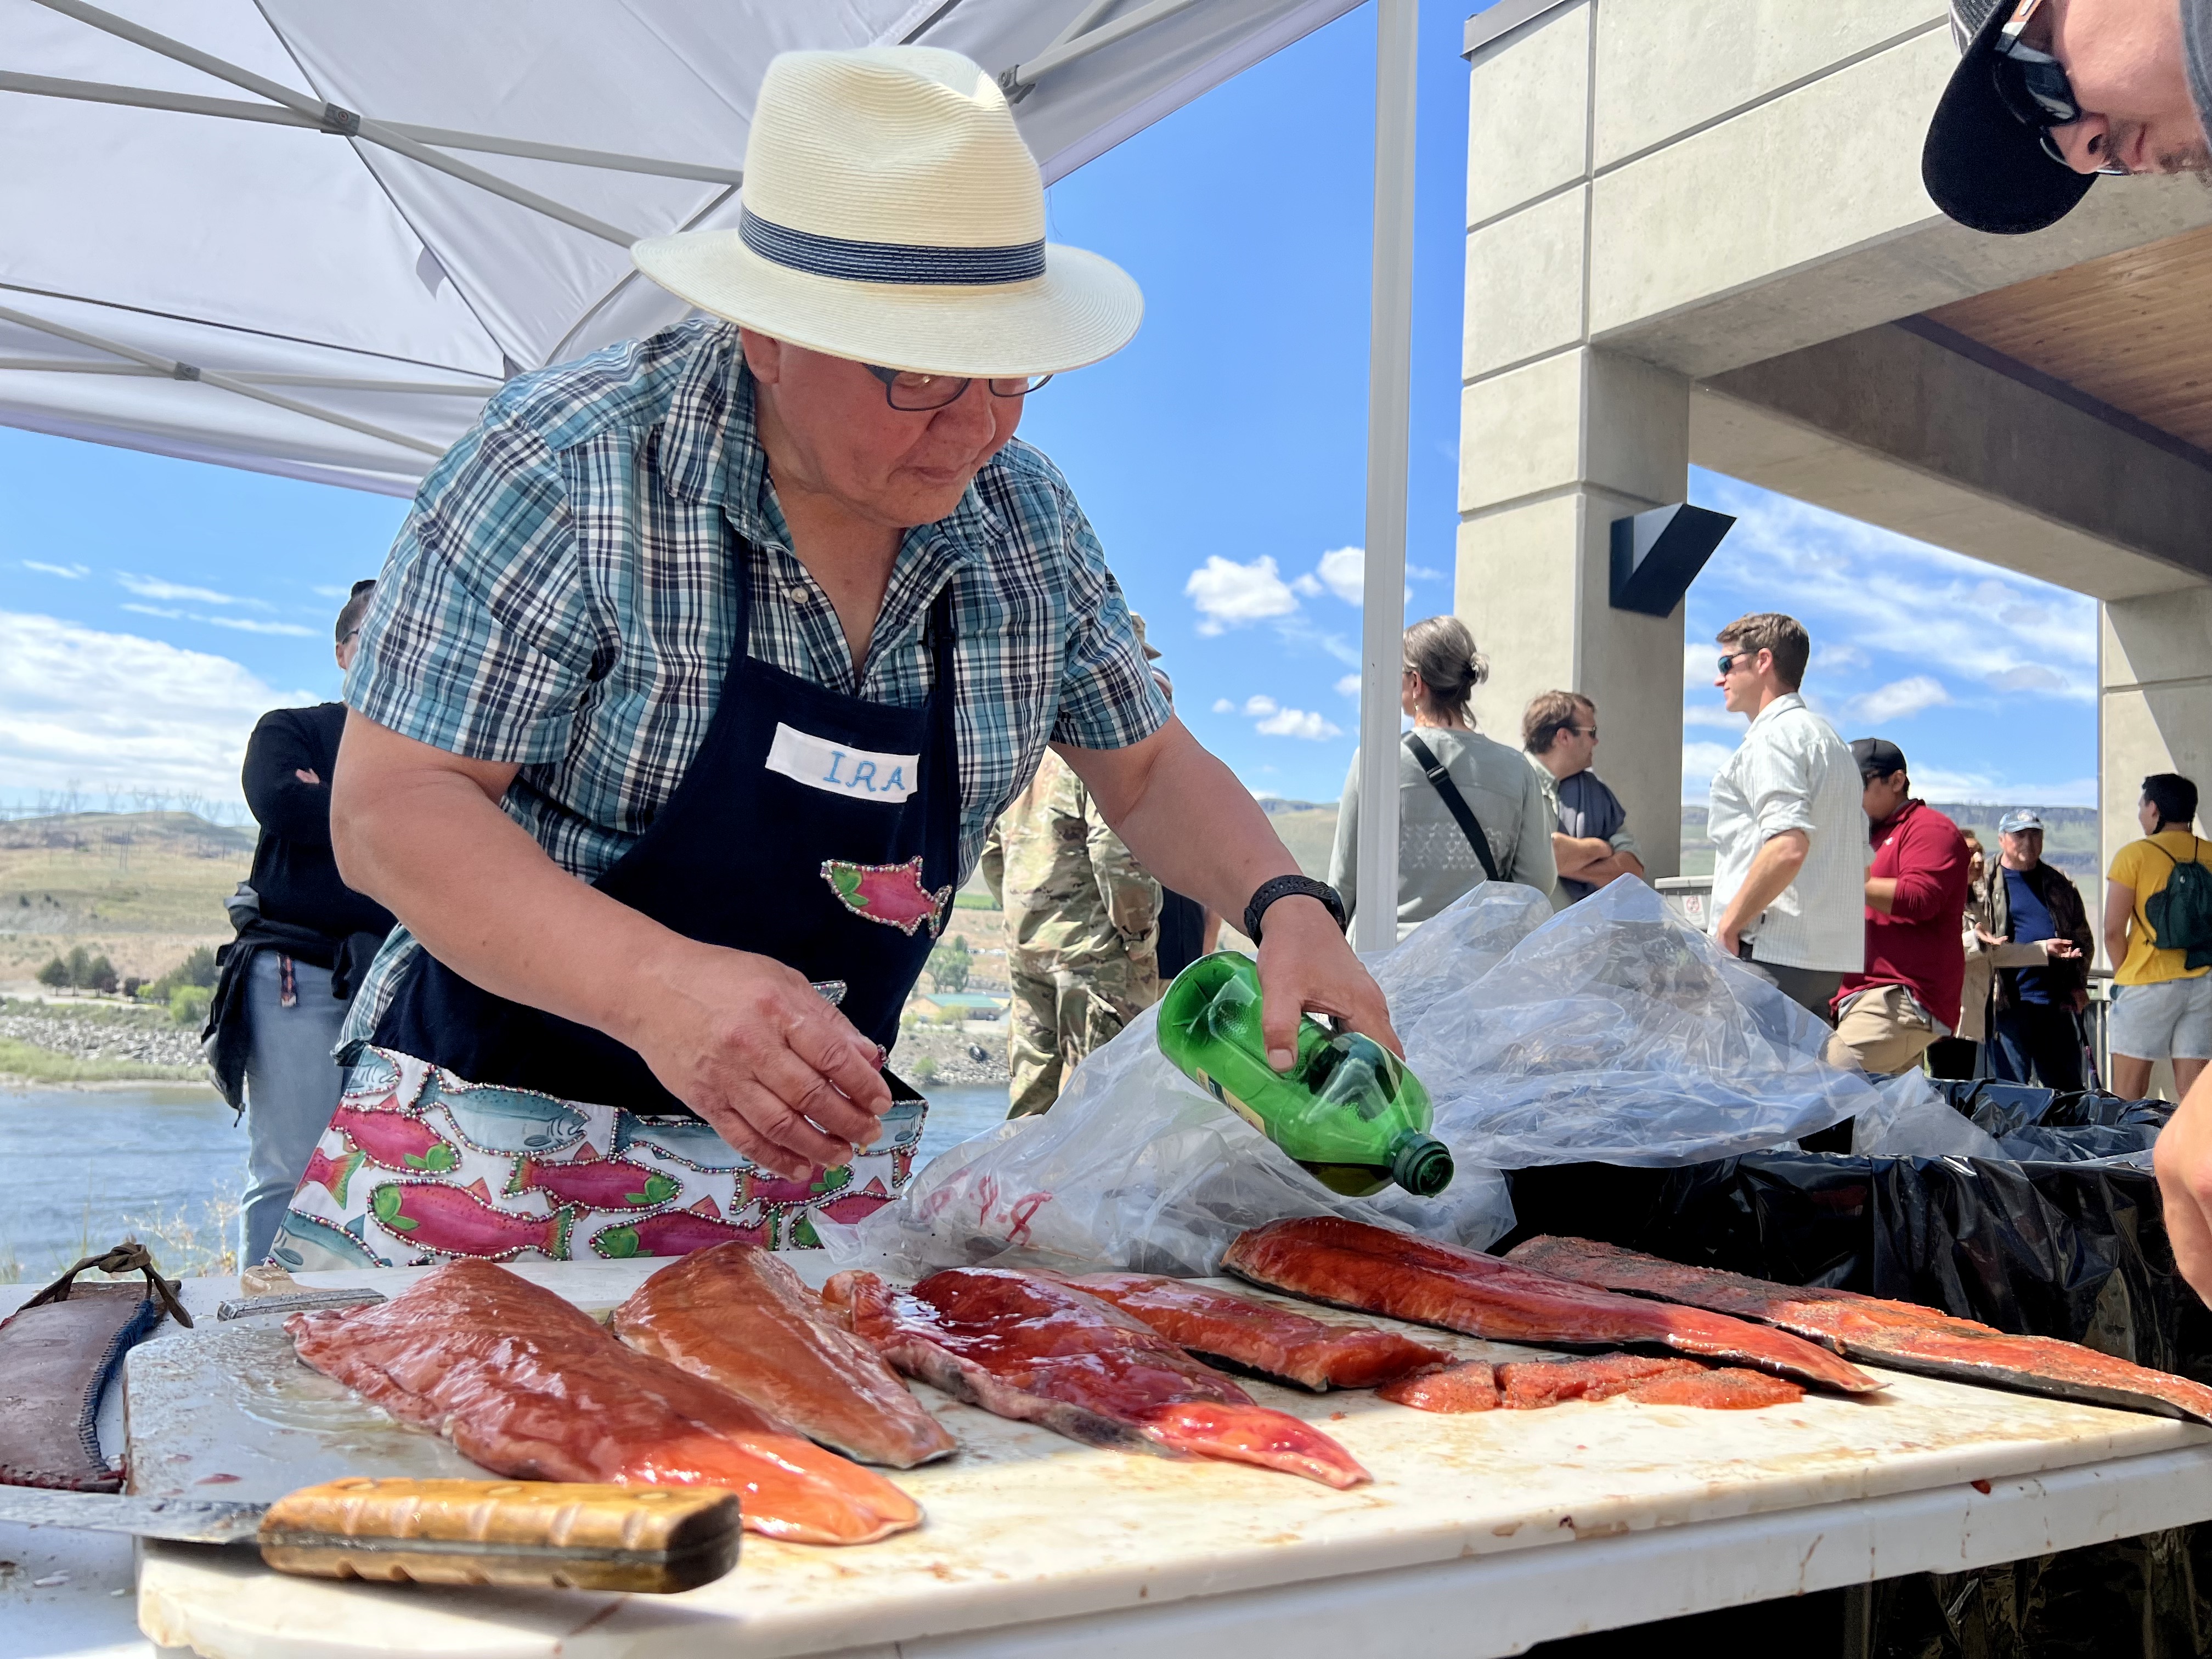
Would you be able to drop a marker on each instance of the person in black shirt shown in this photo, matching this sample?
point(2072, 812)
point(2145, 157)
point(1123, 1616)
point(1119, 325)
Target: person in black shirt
point(304, 938)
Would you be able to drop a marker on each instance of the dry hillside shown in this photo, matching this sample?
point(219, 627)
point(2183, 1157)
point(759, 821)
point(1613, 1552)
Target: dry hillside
point(144, 888)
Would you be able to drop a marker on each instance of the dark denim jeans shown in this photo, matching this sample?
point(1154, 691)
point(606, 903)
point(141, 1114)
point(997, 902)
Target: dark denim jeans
point(2042, 1038)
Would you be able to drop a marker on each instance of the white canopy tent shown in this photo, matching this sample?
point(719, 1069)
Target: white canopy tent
point(310, 240)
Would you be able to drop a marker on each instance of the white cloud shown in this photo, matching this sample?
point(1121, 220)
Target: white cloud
point(1698, 666)
point(1699, 762)
point(1306, 587)
point(1421, 572)
point(2029, 676)
point(242, 625)
point(1257, 706)
point(1230, 595)
point(157, 587)
point(1900, 699)
point(253, 625)
point(1938, 784)
point(333, 593)
point(1223, 706)
point(123, 712)
point(1348, 686)
point(1343, 570)
point(1863, 585)
point(71, 572)
point(1298, 723)
point(1830, 657)
point(1711, 713)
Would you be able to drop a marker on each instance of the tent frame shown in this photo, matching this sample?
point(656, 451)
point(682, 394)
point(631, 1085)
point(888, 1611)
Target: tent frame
point(1389, 335)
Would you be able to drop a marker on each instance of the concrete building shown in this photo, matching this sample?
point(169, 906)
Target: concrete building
point(1695, 233)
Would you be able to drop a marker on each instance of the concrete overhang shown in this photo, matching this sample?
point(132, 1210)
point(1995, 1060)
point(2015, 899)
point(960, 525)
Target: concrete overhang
point(1900, 426)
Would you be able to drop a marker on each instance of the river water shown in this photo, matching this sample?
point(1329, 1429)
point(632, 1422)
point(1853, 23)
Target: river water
point(83, 1168)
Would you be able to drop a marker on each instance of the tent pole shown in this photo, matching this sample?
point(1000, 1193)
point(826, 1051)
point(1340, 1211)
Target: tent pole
point(180, 371)
point(1065, 51)
point(234, 109)
point(1389, 375)
point(344, 122)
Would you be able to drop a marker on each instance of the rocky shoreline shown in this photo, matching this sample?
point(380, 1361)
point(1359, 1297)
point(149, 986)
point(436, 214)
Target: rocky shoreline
point(101, 1031)
point(951, 1054)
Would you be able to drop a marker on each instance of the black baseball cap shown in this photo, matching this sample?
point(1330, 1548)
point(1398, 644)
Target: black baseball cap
point(1983, 162)
point(1878, 757)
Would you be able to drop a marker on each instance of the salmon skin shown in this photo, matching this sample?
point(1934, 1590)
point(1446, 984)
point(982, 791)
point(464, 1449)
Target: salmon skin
point(1276, 1342)
point(1034, 1349)
point(1382, 1270)
point(532, 1388)
point(1902, 1335)
point(740, 1318)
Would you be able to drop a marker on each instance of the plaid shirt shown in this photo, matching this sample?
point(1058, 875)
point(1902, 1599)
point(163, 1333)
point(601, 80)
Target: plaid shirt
point(562, 597)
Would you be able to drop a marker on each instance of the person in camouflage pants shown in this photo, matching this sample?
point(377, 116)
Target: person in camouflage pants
point(1082, 930)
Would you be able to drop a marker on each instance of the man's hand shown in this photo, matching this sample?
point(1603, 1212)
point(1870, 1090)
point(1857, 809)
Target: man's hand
point(1186, 819)
point(305, 775)
point(2183, 1158)
point(1773, 869)
point(2059, 949)
point(1305, 964)
point(752, 1047)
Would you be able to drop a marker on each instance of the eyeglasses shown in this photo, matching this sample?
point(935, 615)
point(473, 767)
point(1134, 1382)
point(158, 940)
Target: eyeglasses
point(911, 393)
point(1589, 731)
point(2034, 88)
point(1730, 660)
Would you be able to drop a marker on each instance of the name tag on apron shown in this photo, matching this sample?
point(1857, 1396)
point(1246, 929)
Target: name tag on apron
point(859, 773)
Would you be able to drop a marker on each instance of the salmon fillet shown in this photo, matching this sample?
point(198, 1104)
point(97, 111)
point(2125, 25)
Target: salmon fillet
point(1471, 1386)
point(1902, 1335)
point(1381, 1271)
point(1277, 1342)
point(1034, 1349)
point(737, 1315)
point(1532, 1384)
point(531, 1387)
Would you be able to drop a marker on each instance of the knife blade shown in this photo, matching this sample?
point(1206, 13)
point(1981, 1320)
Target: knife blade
point(527, 1533)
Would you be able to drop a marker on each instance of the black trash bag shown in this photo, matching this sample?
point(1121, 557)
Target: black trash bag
point(2075, 1249)
point(2043, 1126)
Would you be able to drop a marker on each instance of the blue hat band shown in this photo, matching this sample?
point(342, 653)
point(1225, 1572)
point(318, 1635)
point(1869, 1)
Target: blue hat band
point(888, 262)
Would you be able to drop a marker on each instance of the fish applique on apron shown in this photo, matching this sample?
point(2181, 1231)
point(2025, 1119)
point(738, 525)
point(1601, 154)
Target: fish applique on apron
point(419, 1166)
point(813, 827)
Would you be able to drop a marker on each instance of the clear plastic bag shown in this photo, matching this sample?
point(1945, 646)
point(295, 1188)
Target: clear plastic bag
point(1137, 1167)
point(1614, 1034)
point(1909, 1119)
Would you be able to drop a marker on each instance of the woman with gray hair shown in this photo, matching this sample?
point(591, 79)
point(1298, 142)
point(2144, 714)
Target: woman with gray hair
point(1469, 809)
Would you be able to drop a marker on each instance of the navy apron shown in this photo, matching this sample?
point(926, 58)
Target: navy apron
point(813, 827)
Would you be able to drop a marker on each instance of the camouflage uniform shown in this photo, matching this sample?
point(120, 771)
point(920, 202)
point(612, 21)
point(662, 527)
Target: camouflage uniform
point(1083, 931)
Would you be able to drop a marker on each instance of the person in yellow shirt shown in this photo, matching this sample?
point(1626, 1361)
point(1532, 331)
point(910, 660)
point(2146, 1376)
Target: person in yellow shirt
point(2162, 1007)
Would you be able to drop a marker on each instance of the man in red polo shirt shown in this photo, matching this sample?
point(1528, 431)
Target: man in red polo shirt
point(1916, 894)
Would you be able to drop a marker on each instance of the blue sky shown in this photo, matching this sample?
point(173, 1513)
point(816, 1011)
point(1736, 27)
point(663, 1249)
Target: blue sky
point(151, 608)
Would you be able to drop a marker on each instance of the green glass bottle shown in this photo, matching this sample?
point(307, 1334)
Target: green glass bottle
point(1348, 1109)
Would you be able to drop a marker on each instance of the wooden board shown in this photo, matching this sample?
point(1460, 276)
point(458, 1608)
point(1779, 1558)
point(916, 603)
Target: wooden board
point(1024, 1525)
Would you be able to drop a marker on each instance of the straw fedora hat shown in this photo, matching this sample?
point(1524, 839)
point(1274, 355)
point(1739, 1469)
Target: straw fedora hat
point(891, 213)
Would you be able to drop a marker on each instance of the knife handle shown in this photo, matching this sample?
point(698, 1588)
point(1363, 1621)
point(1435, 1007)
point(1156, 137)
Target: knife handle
point(516, 1532)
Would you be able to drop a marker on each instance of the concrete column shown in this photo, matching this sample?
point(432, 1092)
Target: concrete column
point(2155, 702)
point(1558, 439)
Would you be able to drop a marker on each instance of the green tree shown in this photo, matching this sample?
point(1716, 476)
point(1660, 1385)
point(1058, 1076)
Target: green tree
point(80, 968)
point(948, 965)
point(55, 974)
point(188, 1006)
point(100, 973)
point(199, 968)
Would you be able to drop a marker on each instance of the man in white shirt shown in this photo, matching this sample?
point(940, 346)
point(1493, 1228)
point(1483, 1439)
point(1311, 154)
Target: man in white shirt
point(1788, 829)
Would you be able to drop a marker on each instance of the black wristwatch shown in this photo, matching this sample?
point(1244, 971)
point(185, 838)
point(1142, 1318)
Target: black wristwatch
point(1285, 887)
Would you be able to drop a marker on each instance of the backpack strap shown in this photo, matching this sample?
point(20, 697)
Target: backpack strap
point(1454, 803)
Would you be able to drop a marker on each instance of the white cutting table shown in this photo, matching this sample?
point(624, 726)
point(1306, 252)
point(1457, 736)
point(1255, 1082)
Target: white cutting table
point(1481, 1535)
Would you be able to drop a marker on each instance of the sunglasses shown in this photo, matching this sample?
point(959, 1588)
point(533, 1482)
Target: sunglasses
point(1731, 659)
point(2034, 87)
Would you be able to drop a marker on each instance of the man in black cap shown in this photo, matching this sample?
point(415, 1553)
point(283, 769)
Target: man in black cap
point(1907, 995)
point(2049, 93)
